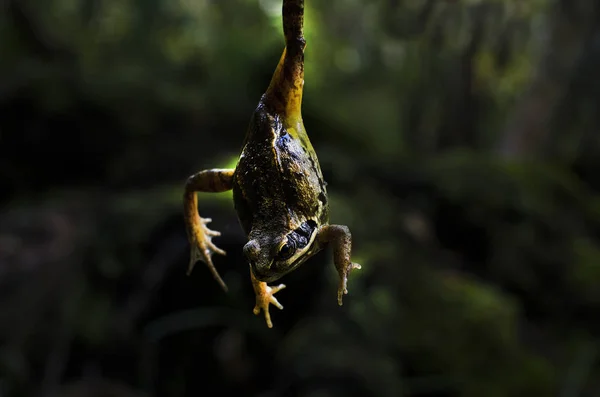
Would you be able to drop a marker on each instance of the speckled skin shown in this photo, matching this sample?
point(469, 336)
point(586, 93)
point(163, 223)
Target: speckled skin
point(277, 186)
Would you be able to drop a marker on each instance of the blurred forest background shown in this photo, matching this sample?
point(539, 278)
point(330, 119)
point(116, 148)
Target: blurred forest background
point(461, 143)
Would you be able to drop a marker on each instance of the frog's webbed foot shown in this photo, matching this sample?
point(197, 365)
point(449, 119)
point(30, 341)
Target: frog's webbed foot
point(341, 239)
point(264, 298)
point(199, 235)
point(202, 248)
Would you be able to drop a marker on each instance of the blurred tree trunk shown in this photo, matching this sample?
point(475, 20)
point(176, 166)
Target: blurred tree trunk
point(569, 29)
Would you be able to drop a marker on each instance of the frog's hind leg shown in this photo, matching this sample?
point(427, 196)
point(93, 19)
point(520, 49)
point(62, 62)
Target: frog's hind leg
point(199, 235)
point(264, 298)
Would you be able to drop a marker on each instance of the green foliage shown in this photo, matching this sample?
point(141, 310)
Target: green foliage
point(480, 267)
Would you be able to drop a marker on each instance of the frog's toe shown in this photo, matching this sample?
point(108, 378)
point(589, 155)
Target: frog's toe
point(206, 242)
point(211, 233)
point(211, 248)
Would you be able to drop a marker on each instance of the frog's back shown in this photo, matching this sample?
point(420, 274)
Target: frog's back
point(278, 180)
point(278, 174)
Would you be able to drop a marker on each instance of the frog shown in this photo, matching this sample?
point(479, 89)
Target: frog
point(279, 192)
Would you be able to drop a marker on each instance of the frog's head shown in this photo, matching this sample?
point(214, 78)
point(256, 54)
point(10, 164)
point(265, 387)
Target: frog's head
point(272, 254)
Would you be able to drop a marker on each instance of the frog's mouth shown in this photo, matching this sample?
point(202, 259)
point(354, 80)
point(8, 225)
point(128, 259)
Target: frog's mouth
point(278, 269)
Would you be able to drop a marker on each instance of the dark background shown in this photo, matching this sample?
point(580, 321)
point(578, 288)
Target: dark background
point(460, 140)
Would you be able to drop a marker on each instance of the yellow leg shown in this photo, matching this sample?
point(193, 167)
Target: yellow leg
point(199, 235)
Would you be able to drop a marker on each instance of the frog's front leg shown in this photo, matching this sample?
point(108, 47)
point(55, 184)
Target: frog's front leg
point(199, 235)
point(341, 239)
point(264, 297)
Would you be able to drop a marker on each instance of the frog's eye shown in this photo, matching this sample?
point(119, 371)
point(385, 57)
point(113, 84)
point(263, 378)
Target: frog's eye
point(287, 250)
